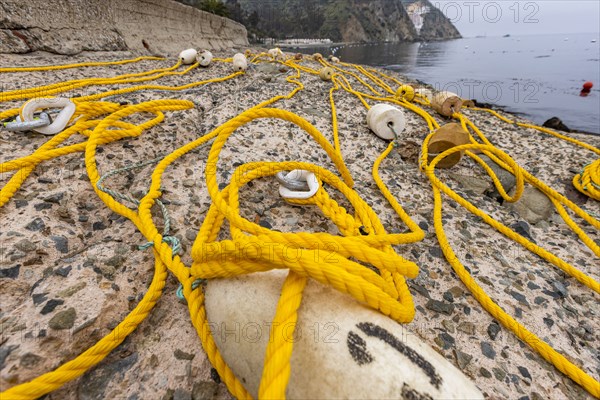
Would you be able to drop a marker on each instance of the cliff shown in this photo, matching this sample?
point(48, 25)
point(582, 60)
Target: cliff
point(431, 24)
point(367, 21)
point(72, 26)
point(343, 20)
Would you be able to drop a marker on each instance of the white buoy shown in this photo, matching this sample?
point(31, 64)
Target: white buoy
point(188, 56)
point(205, 58)
point(385, 119)
point(342, 349)
point(240, 63)
point(276, 53)
point(425, 93)
point(335, 60)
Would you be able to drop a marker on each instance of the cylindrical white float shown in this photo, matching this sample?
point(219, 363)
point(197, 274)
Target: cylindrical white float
point(446, 103)
point(425, 93)
point(205, 58)
point(276, 53)
point(385, 119)
point(239, 62)
point(188, 56)
point(342, 349)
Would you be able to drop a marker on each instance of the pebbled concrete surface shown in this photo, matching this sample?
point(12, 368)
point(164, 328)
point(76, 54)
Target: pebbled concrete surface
point(70, 269)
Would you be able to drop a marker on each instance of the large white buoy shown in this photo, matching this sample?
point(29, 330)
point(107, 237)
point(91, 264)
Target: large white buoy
point(385, 119)
point(240, 63)
point(188, 56)
point(446, 103)
point(342, 349)
point(205, 58)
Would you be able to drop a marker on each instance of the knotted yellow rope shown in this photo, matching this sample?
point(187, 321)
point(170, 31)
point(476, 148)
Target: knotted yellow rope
point(364, 238)
point(585, 180)
point(588, 181)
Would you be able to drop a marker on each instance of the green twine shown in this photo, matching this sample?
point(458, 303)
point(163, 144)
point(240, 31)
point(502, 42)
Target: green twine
point(172, 241)
point(195, 286)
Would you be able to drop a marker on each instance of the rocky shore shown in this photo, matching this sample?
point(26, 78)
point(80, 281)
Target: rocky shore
point(70, 269)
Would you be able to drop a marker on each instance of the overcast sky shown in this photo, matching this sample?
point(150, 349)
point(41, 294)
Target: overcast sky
point(500, 17)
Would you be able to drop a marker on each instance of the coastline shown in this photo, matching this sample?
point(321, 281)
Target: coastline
point(475, 69)
point(164, 355)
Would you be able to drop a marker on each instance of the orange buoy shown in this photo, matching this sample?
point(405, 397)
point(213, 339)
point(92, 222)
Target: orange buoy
point(587, 87)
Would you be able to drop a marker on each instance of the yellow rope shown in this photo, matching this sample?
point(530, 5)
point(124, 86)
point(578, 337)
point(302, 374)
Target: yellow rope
point(589, 176)
point(50, 90)
point(80, 65)
point(546, 351)
point(588, 181)
point(363, 240)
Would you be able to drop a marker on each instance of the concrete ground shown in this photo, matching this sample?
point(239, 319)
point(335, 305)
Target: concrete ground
point(70, 269)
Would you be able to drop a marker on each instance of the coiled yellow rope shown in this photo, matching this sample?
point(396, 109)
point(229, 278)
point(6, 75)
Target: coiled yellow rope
point(588, 181)
point(559, 201)
point(102, 123)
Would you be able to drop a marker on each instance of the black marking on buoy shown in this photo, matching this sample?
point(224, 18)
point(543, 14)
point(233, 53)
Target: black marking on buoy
point(358, 349)
point(376, 331)
point(409, 393)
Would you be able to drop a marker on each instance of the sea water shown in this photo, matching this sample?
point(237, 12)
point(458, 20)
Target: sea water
point(539, 76)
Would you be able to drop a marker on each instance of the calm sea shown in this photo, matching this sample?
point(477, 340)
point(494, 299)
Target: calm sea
point(539, 76)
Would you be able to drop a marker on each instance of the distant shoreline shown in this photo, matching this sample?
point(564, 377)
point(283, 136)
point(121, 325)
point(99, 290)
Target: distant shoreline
point(355, 53)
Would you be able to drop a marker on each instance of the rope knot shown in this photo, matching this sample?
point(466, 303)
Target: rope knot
point(172, 241)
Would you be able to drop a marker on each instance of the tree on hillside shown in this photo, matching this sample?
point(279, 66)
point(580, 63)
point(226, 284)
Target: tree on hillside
point(214, 6)
point(235, 11)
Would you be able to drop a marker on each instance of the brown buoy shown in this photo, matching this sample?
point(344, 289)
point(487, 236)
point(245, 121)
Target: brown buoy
point(447, 137)
point(326, 73)
point(446, 103)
